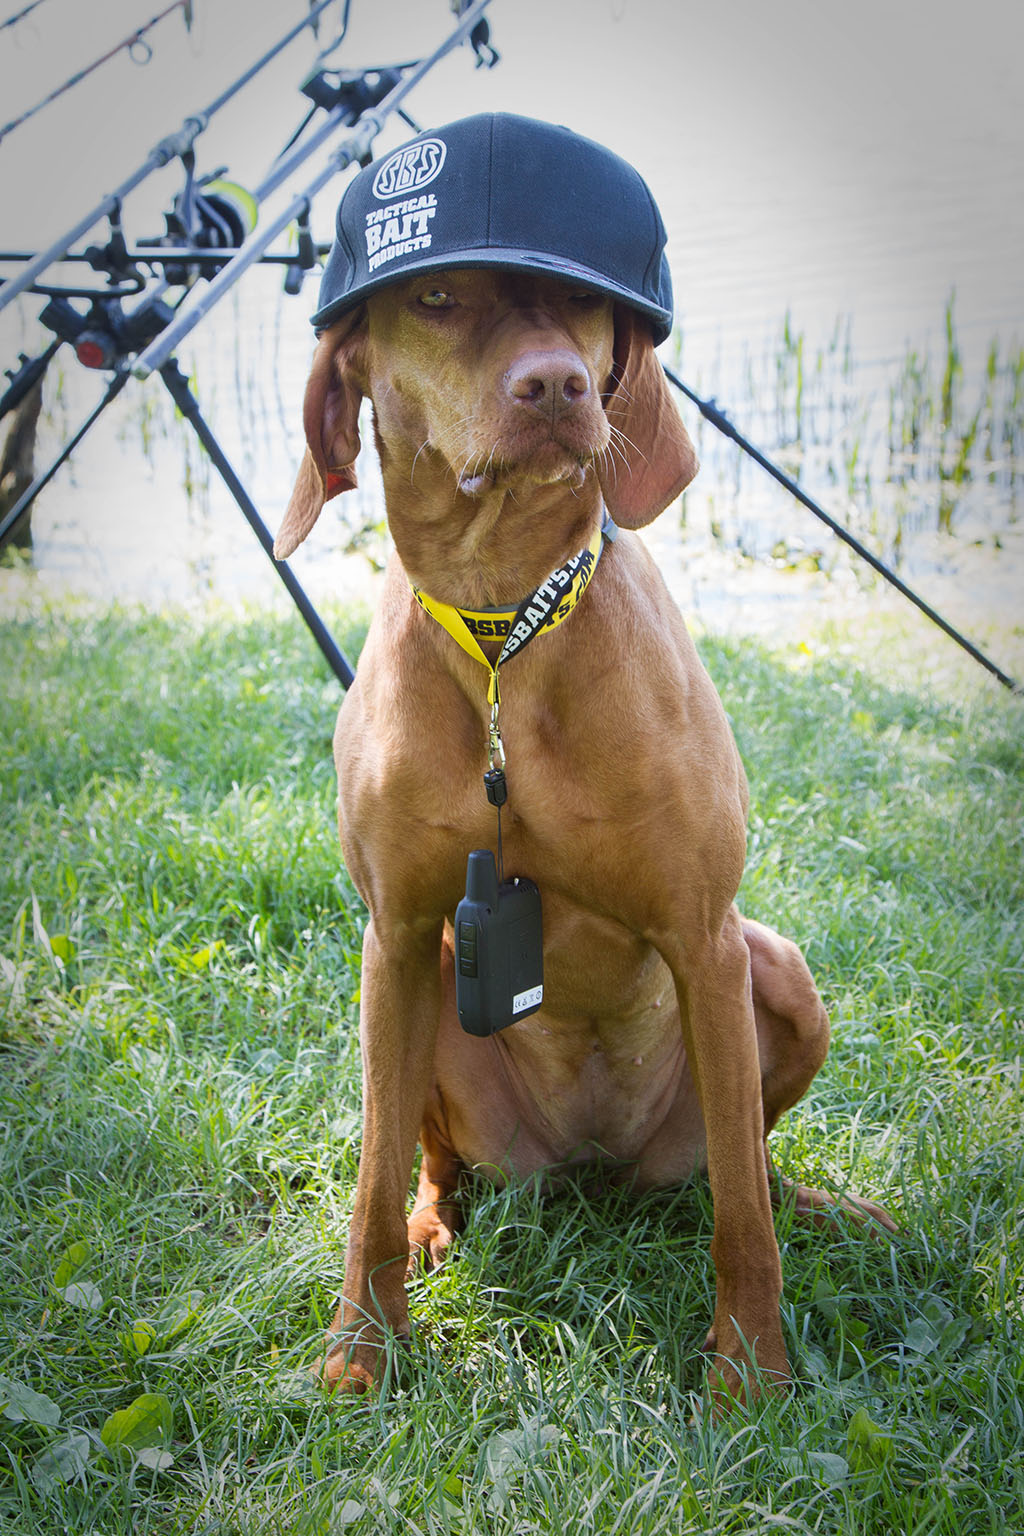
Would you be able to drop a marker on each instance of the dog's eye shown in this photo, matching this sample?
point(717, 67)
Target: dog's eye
point(437, 298)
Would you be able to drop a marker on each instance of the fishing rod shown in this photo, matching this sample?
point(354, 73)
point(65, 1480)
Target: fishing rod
point(20, 15)
point(174, 146)
point(129, 44)
point(354, 147)
point(711, 412)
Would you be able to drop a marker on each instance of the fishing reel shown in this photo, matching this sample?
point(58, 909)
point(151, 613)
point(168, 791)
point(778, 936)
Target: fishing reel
point(225, 213)
point(215, 214)
point(212, 214)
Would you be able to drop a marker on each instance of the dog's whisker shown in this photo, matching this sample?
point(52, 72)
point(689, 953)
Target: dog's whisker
point(473, 474)
point(638, 451)
point(412, 467)
point(611, 468)
point(616, 451)
point(622, 390)
point(617, 454)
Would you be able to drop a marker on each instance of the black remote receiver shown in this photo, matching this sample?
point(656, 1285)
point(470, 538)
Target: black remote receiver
point(499, 950)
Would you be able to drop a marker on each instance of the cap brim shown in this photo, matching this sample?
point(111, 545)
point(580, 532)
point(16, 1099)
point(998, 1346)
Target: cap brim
point(532, 261)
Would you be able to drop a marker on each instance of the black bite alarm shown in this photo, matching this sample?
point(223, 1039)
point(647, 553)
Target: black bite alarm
point(499, 951)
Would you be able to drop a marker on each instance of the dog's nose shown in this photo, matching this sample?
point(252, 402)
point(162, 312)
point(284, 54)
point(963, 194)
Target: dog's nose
point(552, 382)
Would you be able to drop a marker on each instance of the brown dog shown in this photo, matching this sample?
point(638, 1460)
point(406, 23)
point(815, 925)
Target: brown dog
point(508, 407)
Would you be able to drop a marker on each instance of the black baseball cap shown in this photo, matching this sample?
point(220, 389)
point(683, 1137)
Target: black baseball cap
point(496, 190)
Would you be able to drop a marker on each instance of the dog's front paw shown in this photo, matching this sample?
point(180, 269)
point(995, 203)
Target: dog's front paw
point(351, 1365)
point(338, 1372)
point(738, 1372)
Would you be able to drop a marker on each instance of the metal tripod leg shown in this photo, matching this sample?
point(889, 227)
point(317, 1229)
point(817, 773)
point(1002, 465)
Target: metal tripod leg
point(187, 404)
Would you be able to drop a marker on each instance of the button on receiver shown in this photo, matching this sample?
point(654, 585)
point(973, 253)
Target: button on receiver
point(467, 949)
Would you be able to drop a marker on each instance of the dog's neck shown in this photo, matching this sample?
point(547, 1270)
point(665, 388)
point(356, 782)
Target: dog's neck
point(489, 549)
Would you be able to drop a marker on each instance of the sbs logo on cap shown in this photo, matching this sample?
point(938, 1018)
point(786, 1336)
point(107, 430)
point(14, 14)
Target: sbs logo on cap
point(410, 168)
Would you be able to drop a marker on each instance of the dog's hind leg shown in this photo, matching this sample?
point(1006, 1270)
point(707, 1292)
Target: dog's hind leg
point(792, 1036)
point(792, 1025)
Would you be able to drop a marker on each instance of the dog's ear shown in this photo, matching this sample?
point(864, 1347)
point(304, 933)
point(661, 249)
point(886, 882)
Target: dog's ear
point(330, 415)
point(650, 459)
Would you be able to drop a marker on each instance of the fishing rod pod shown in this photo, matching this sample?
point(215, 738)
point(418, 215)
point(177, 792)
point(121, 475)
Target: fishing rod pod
point(500, 191)
point(170, 148)
point(492, 191)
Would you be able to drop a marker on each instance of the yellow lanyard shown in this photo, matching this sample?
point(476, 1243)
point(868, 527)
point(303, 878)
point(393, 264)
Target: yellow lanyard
point(548, 606)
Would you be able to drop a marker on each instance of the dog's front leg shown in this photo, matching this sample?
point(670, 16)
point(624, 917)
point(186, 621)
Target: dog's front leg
point(721, 1043)
point(399, 1007)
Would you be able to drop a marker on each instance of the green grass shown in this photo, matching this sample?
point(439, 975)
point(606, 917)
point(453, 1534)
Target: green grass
point(180, 1120)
